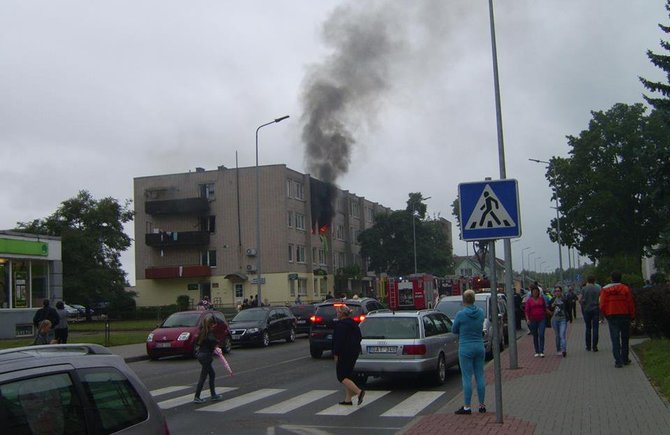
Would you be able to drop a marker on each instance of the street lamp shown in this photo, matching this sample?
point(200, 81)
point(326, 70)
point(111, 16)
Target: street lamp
point(258, 214)
point(523, 275)
point(558, 222)
point(414, 212)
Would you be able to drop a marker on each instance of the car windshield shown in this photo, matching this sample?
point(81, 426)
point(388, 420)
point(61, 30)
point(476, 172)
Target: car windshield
point(180, 320)
point(451, 308)
point(390, 327)
point(250, 314)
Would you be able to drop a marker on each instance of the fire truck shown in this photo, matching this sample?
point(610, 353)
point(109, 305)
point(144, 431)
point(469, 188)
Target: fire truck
point(415, 292)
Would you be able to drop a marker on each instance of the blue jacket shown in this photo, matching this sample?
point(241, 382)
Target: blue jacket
point(469, 324)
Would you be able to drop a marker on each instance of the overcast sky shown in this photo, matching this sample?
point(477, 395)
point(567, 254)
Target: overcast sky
point(93, 94)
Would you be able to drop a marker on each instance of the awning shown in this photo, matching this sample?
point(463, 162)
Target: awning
point(236, 276)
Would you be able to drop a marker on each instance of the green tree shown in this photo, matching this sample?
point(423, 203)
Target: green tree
point(389, 244)
point(661, 102)
point(607, 187)
point(92, 241)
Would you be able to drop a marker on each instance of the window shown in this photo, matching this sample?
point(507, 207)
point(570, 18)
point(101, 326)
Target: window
point(342, 259)
point(45, 404)
point(299, 221)
point(289, 215)
point(207, 191)
point(208, 224)
point(299, 191)
point(21, 293)
point(295, 189)
point(368, 214)
point(466, 271)
point(300, 253)
point(429, 327)
point(355, 211)
point(39, 278)
point(290, 252)
point(322, 257)
point(116, 402)
point(314, 257)
point(208, 258)
point(340, 232)
point(302, 287)
point(239, 290)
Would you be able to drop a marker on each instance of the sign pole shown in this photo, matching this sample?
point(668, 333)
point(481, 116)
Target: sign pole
point(496, 333)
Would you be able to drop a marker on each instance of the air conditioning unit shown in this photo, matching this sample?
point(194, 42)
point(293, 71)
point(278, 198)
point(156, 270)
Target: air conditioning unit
point(251, 252)
point(251, 268)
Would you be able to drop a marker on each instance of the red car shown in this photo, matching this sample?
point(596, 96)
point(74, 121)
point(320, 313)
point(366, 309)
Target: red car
point(178, 334)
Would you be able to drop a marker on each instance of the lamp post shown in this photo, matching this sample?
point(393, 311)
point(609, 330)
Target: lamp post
point(523, 275)
point(259, 301)
point(529, 254)
point(414, 211)
point(558, 222)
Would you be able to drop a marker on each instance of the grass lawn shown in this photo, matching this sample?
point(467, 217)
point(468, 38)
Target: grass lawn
point(121, 332)
point(655, 358)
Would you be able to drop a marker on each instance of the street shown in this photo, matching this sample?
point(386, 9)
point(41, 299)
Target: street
point(282, 390)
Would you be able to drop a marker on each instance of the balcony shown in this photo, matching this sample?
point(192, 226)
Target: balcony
point(168, 272)
point(177, 239)
point(186, 206)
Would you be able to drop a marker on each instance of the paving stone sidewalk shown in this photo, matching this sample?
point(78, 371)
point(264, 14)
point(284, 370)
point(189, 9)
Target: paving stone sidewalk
point(580, 394)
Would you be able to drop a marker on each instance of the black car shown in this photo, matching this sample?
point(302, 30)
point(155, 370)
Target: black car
point(261, 325)
point(321, 332)
point(303, 314)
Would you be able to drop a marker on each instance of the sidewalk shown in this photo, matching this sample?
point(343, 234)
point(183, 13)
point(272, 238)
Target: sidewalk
point(580, 394)
point(131, 352)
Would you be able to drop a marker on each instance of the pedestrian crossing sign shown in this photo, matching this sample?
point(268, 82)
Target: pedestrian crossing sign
point(489, 210)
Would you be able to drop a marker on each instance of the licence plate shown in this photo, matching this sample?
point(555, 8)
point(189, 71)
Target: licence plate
point(163, 344)
point(382, 349)
point(236, 337)
point(302, 322)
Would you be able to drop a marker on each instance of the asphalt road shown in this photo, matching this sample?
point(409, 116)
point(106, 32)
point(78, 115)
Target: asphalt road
point(282, 390)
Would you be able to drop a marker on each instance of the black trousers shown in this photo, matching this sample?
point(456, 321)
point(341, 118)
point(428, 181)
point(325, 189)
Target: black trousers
point(206, 370)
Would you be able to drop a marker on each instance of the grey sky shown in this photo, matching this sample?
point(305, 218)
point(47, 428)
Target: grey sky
point(94, 94)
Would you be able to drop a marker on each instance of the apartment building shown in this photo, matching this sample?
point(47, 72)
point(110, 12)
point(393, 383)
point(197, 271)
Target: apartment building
point(195, 235)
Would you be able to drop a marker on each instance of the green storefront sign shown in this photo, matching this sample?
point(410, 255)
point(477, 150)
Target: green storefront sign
point(23, 247)
point(292, 276)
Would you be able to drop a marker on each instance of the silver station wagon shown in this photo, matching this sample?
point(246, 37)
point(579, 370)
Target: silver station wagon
point(406, 343)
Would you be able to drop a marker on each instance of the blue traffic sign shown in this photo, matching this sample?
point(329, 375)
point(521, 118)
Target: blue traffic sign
point(489, 210)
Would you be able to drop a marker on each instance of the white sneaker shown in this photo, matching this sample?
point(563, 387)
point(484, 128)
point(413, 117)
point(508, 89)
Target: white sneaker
point(536, 355)
point(541, 355)
point(559, 353)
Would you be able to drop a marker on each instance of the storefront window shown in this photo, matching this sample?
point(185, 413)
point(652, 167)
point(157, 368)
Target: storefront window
point(39, 280)
point(4, 283)
point(21, 285)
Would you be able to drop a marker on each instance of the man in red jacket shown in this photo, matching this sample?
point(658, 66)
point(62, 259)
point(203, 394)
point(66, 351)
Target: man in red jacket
point(616, 304)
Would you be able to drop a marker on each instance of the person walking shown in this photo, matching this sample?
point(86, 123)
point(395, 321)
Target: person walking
point(591, 311)
point(618, 307)
point(536, 312)
point(346, 348)
point(61, 329)
point(561, 315)
point(571, 297)
point(468, 325)
point(47, 312)
point(44, 333)
point(207, 342)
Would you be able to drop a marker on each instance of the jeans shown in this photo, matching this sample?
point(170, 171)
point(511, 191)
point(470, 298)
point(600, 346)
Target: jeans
point(471, 360)
point(560, 329)
point(619, 332)
point(205, 360)
point(537, 328)
point(591, 322)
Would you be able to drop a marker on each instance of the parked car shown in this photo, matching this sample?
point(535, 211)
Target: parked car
point(178, 334)
point(406, 343)
point(303, 314)
point(321, 332)
point(74, 389)
point(82, 310)
point(71, 311)
point(261, 325)
point(451, 305)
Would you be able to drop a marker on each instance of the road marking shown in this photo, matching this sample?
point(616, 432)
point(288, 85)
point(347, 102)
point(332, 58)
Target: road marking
point(181, 400)
point(413, 404)
point(370, 396)
point(296, 402)
point(167, 390)
point(242, 400)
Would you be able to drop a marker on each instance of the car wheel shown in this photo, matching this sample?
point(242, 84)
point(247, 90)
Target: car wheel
point(266, 339)
point(360, 379)
point(440, 374)
point(316, 353)
point(227, 345)
point(291, 336)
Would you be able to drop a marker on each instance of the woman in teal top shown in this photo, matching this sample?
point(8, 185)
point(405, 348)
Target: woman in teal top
point(468, 325)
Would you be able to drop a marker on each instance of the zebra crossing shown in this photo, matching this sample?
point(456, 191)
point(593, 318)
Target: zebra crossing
point(408, 407)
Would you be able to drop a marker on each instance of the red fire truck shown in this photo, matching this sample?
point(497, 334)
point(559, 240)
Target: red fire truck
point(415, 292)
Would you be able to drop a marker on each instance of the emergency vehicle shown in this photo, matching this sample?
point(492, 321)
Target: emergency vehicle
point(416, 292)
